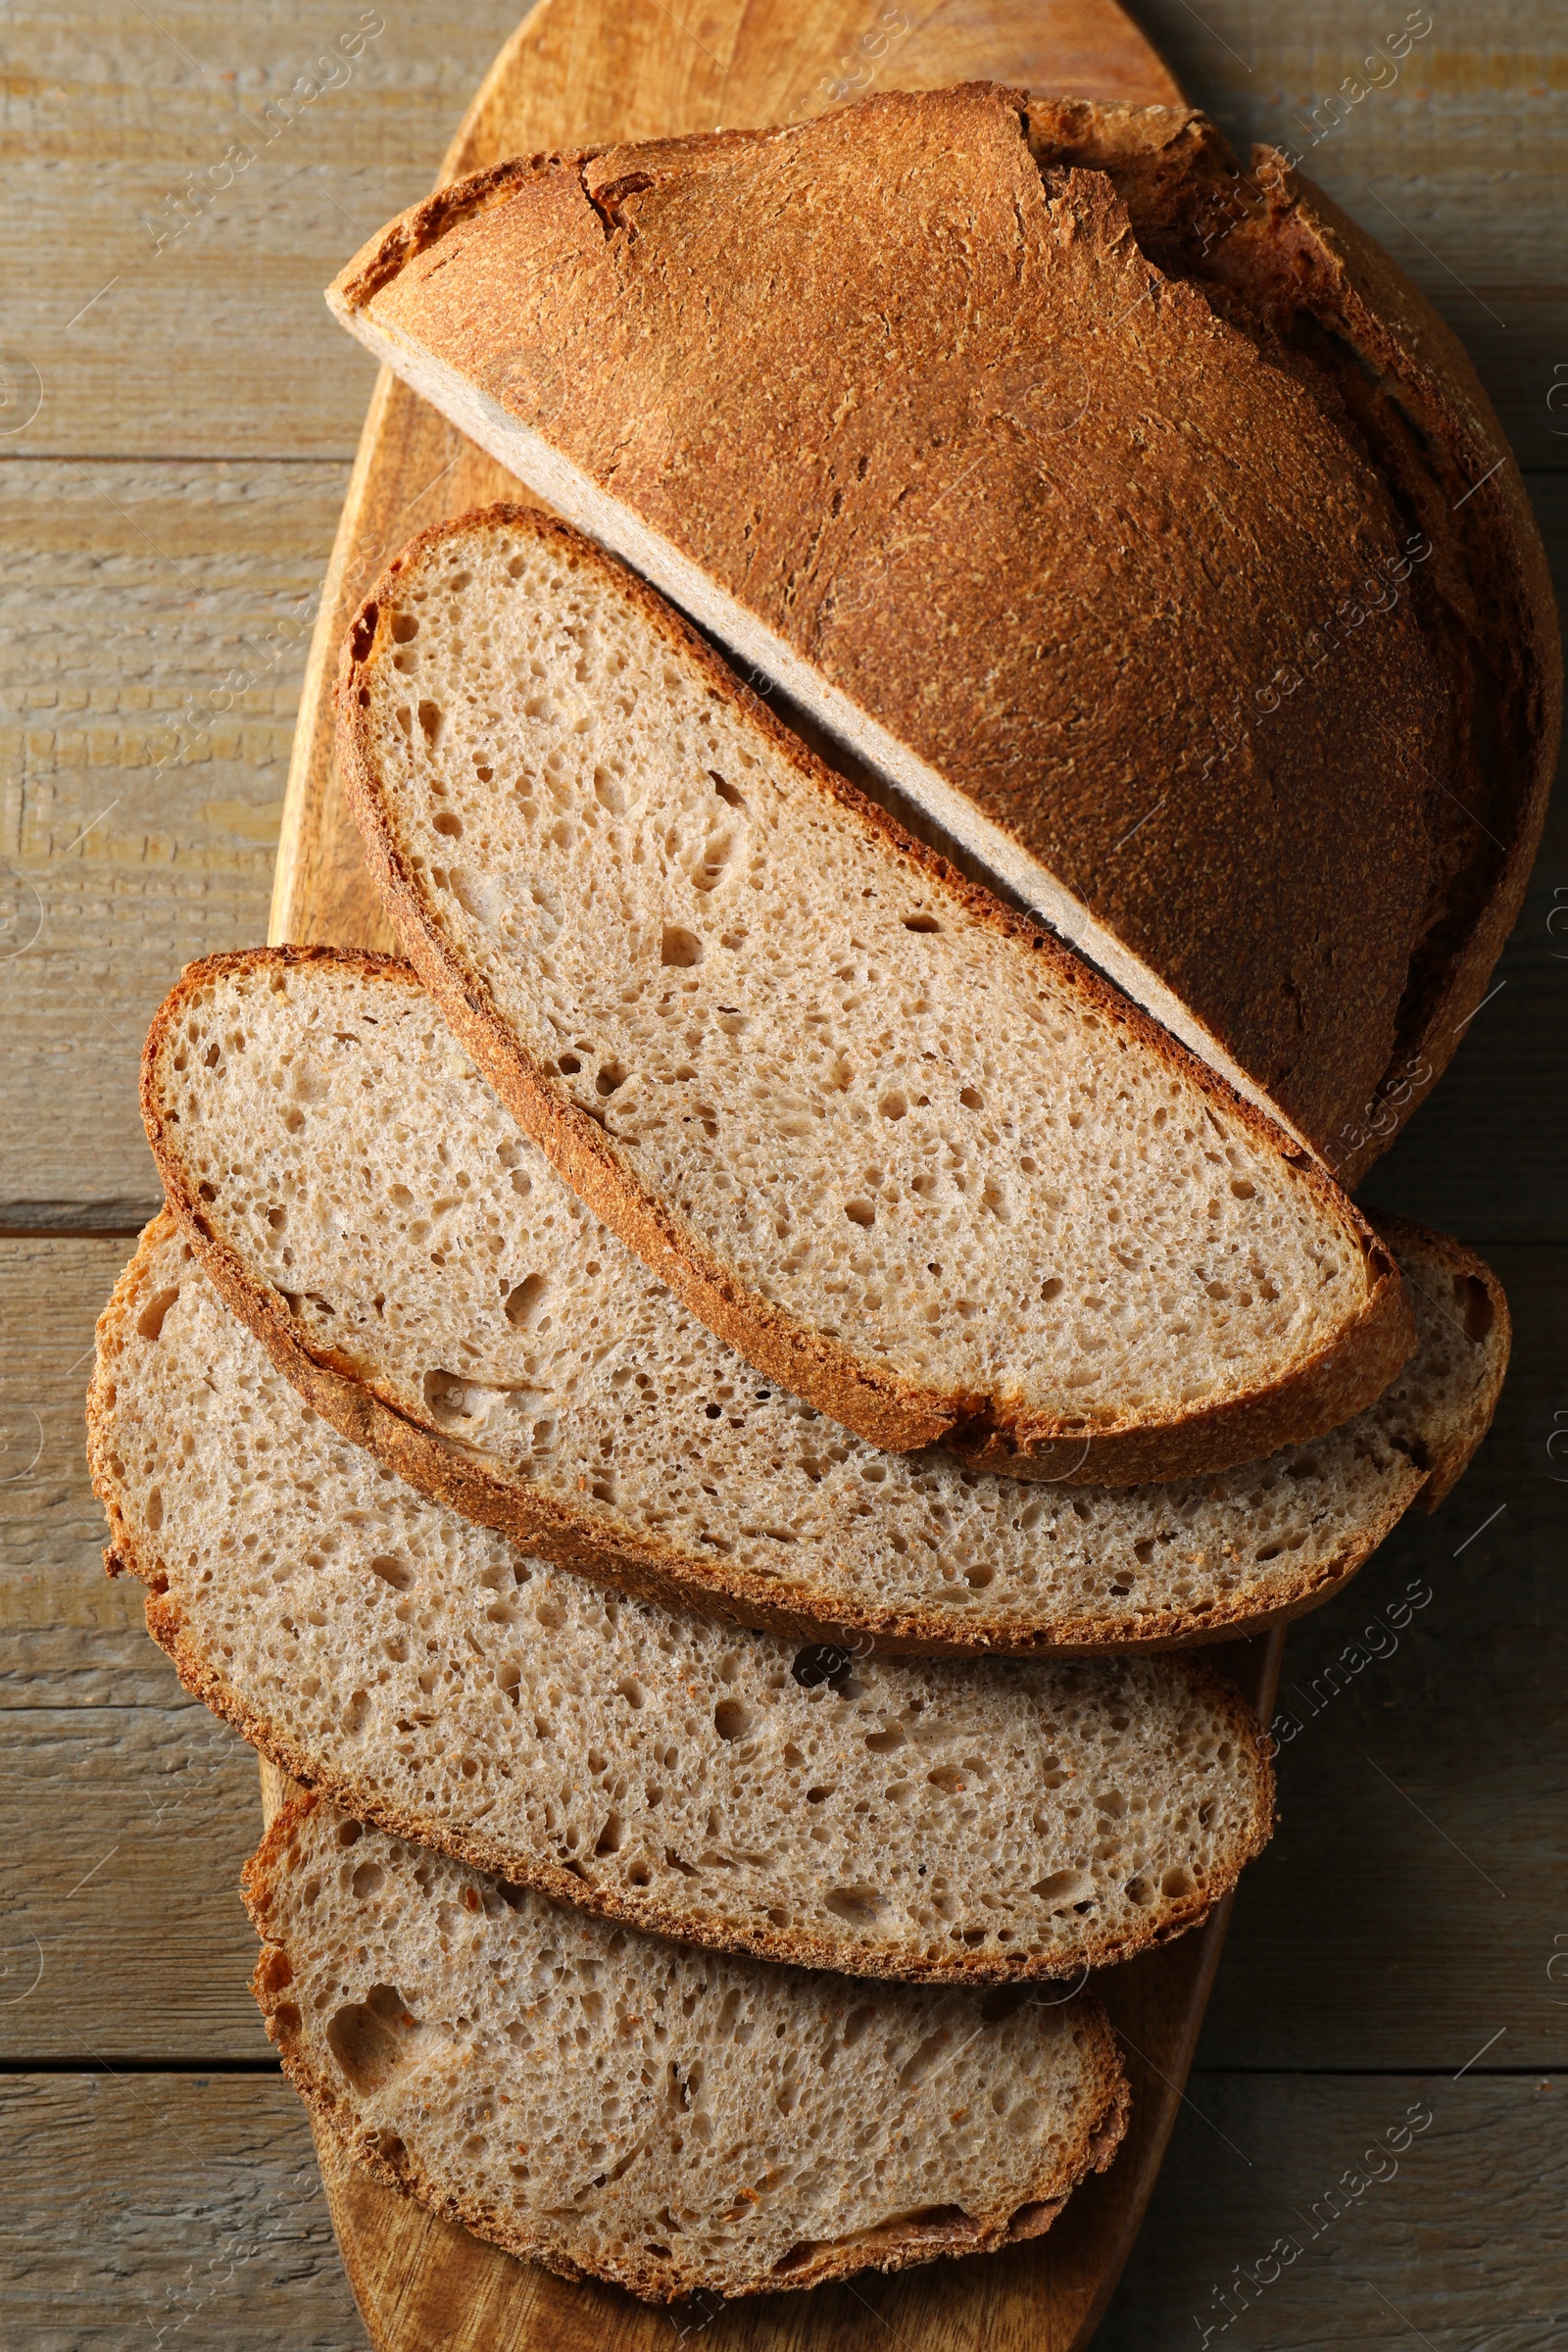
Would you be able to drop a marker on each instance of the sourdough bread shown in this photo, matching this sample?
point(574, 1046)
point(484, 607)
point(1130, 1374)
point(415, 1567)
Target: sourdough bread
point(366, 1206)
point(612, 2104)
point(1136, 518)
point(984, 1820)
point(889, 1140)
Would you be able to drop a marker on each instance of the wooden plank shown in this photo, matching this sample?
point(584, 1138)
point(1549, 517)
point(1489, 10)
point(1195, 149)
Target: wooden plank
point(120, 111)
point(1452, 2239)
point(189, 2206)
point(125, 1936)
point(156, 622)
point(166, 2210)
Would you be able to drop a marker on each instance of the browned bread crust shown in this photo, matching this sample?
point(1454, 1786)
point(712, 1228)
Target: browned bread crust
point(862, 1390)
point(484, 1489)
point(1288, 267)
point(1317, 870)
point(1096, 2133)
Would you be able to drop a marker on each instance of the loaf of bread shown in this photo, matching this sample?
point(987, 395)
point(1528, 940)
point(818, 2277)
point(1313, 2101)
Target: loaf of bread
point(889, 1140)
point(420, 1271)
point(984, 1820)
point(613, 2104)
point(1132, 514)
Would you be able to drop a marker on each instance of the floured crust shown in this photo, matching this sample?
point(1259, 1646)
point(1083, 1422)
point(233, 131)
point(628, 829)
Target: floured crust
point(878, 1403)
point(485, 1491)
point(1097, 2130)
point(1344, 1048)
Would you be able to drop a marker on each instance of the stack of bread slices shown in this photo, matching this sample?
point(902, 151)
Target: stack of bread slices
point(703, 1416)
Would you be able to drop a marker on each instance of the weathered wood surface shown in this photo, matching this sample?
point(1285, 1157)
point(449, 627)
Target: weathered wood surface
point(1451, 2237)
point(166, 2211)
point(153, 620)
point(179, 2212)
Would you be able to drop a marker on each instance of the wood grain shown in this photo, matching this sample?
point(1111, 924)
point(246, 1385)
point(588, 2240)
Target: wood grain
point(1445, 2248)
point(214, 358)
point(160, 2202)
point(155, 621)
point(166, 2211)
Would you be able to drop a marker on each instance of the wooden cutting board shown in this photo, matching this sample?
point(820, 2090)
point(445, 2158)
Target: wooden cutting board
point(575, 72)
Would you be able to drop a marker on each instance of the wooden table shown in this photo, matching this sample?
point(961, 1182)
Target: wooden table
point(177, 415)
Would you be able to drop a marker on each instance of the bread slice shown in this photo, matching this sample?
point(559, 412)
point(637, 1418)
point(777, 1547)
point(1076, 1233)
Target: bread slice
point(1132, 514)
point(983, 1819)
point(437, 1293)
point(614, 2105)
point(889, 1140)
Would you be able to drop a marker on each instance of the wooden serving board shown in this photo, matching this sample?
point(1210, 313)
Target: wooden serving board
point(577, 72)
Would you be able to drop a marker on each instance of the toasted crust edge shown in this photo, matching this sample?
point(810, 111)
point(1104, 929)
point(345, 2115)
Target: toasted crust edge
point(887, 1410)
point(1101, 2124)
point(479, 1490)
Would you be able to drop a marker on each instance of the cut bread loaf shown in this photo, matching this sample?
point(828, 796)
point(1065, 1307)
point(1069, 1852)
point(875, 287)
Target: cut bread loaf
point(1133, 516)
point(984, 1819)
point(421, 1274)
point(892, 1142)
point(615, 2105)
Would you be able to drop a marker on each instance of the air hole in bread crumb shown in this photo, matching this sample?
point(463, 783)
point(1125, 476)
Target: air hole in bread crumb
point(405, 628)
point(431, 716)
point(150, 1322)
point(1060, 1887)
point(445, 822)
point(395, 1573)
point(610, 1076)
point(921, 922)
point(1476, 1301)
point(858, 1905)
point(367, 2037)
point(524, 1300)
point(367, 1880)
point(860, 1212)
point(732, 1719)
